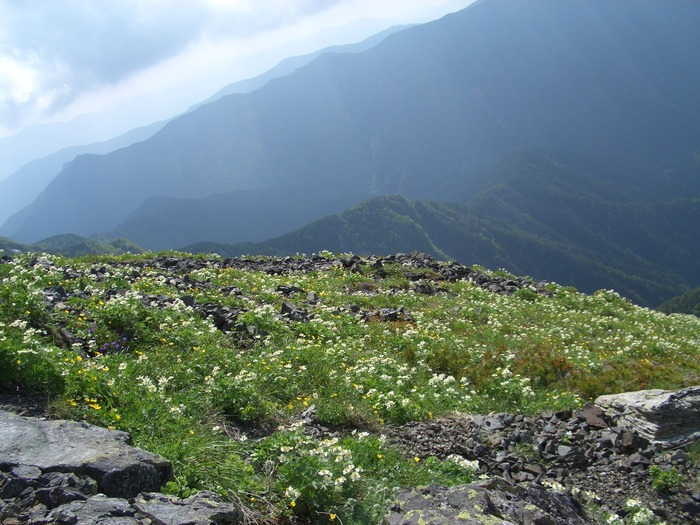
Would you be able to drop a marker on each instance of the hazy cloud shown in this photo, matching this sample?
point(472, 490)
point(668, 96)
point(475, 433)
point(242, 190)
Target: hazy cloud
point(54, 53)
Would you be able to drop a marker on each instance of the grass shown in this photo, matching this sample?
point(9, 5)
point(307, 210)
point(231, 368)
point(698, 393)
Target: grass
point(124, 351)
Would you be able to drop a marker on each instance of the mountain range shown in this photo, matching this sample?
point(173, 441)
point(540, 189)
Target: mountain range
point(543, 219)
point(21, 187)
point(71, 245)
point(557, 139)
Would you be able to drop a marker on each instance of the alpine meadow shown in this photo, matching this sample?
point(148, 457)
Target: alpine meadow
point(449, 273)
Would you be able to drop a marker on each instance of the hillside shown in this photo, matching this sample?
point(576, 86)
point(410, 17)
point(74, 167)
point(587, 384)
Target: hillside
point(8, 246)
point(383, 225)
point(289, 65)
point(688, 303)
point(246, 215)
point(20, 188)
point(584, 227)
point(542, 217)
point(426, 113)
point(71, 245)
point(305, 387)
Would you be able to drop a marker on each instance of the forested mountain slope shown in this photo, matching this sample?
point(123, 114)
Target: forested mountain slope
point(427, 114)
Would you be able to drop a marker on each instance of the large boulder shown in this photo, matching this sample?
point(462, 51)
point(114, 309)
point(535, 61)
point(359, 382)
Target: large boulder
point(663, 416)
point(52, 471)
point(121, 471)
point(491, 502)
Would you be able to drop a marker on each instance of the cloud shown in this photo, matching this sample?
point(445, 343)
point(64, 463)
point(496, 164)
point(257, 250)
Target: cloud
point(61, 58)
point(55, 51)
point(29, 82)
point(110, 39)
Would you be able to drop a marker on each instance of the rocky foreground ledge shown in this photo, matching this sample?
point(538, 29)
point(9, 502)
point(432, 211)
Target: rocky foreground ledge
point(544, 470)
point(75, 473)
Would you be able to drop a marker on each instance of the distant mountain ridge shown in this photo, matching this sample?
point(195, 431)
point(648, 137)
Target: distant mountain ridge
point(687, 303)
point(20, 188)
point(425, 114)
point(256, 214)
point(291, 64)
point(70, 245)
point(539, 220)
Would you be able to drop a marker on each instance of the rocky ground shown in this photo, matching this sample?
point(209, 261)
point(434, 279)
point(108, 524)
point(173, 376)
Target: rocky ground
point(426, 273)
point(555, 463)
point(581, 452)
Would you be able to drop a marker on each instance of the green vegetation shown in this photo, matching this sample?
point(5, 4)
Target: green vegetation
point(635, 512)
point(120, 348)
point(71, 246)
point(9, 246)
point(688, 303)
point(665, 481)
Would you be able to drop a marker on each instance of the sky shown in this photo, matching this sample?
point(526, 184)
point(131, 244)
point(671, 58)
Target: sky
point(138, 61)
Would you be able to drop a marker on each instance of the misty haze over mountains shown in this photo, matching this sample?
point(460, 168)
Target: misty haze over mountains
point(563, 139)
point(23, 186)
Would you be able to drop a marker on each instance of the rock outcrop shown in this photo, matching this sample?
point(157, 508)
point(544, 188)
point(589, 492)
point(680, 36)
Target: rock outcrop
point(584, 452)
point(486, 503)
point(121, 471)
point(75, 473)
point(669, 417)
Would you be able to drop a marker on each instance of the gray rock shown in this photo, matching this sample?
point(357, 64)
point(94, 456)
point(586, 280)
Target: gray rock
point(67, 446)
point(291, 312)
point(659, 415)
point(97, 510)
point(59, 488)
point(12, 486)
point(594, 416)
point(489, 423)
point(203, 508)
point(50, 472)
point(486, 503)
point(611, 461)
